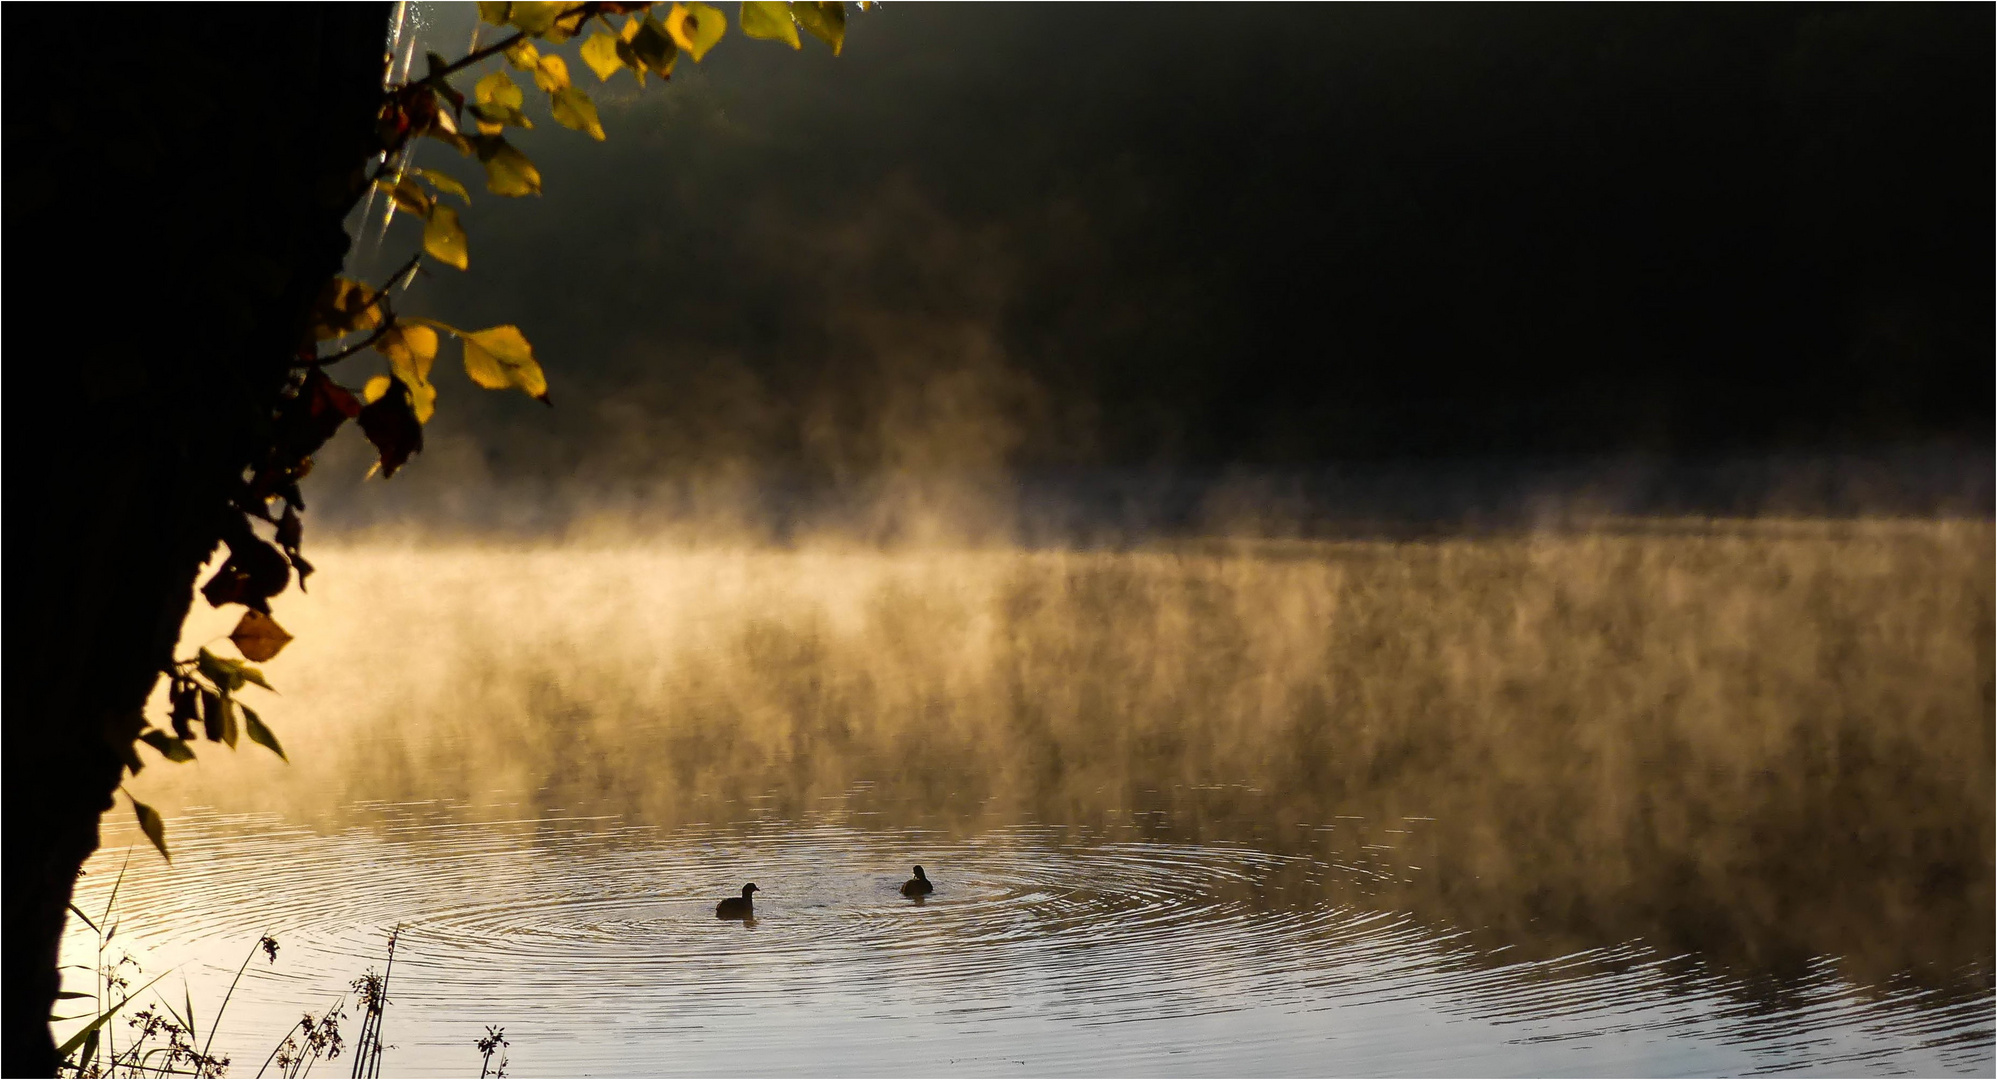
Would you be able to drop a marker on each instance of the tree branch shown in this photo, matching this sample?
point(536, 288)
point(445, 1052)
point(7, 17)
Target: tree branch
point(585, 10)
point(387, 321)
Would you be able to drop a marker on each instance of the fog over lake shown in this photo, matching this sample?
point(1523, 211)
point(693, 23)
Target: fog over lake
point(1657, 797)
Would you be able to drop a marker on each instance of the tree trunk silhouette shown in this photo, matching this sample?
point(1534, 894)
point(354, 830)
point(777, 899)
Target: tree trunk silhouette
point(175, 186)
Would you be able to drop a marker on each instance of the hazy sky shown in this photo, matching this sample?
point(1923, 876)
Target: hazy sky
point(1044, 235)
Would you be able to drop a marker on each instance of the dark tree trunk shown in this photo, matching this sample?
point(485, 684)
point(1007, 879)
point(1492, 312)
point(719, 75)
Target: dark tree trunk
point(175, 184)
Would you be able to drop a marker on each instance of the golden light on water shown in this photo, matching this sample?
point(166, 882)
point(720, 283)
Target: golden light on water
point(1763, 744)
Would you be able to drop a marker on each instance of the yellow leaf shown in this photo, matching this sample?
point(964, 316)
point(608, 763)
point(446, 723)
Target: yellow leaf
point(552, 74)
point(523, 55)
point(631, 25)
point(566, 27)
point(412, 349)
point(499, 88)
point(573, 109)
point(456, 141)
point(444, 238)
point(422, 395)
point(769, 21)
point(407, 196)
point(535, 18)
point(494, 13)
point(492, 119)
point(826, 21)
point(444, 184)
point(695, 27)
point(499, 357)
point(600, 53)
point(345, 306)
point(507, 171)
point(258, 636)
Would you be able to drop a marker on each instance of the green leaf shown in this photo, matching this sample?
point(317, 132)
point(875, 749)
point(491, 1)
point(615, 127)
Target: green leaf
point(253, 726)
point(254, 675)
point(229, 730)
point(507, 170)
point(444, 238)
point(769, 21)
point(824, 21)
point(499, 88)
point(445, 184)
point(153, 826)
point(173, 749)
point(552, 73)
point(523, 55)
point(211, 715)
point(66, 994)
point(493, 12)
point(535, 18)
point(500, 357)
point(573, 109)
point(696, 27)
point(600, 53)
point(226, 674)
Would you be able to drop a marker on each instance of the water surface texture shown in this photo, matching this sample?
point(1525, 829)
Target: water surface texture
point(1664, 800)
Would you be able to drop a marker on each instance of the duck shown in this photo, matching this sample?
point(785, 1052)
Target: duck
point(738, 907)
point(918, 885)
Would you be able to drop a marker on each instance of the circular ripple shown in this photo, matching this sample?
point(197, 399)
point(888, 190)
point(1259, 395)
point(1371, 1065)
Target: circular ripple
point(597, 947)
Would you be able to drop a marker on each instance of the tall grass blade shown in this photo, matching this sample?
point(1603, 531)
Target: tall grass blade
point(77, 1039)
point(78, 912)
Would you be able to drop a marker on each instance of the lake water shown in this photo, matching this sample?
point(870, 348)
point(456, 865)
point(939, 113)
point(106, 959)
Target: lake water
point(1673, 799)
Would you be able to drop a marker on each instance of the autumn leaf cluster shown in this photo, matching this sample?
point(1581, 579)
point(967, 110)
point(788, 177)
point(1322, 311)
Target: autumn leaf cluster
point(352, 318)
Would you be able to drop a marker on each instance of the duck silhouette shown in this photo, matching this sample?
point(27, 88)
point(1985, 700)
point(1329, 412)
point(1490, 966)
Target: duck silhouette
point(918, 885)
point(738, 907)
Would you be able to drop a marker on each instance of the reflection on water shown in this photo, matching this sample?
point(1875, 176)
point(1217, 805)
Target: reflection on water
point(1702, 800)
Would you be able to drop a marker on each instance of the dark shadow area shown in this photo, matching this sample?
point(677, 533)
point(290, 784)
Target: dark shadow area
point(991, 236)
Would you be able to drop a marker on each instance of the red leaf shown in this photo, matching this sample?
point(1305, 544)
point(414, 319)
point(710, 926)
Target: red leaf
point(259, 637)
point(252, 574)
point(310, 417)
point(391, 425)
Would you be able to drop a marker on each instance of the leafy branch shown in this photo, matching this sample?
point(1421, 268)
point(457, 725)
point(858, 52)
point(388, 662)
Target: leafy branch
point(350, 318)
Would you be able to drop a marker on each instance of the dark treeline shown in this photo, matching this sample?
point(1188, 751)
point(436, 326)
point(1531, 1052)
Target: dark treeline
point(1266, 236)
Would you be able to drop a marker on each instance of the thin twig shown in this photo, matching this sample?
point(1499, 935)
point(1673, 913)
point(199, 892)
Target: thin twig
point(387, 323)
point(586, 10)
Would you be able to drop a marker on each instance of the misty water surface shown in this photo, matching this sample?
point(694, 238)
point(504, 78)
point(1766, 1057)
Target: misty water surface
point(1672, 799)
